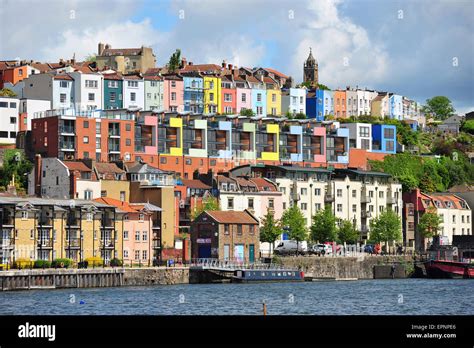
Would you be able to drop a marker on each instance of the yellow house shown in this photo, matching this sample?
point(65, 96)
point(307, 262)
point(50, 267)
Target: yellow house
point(273, 96)
point(272, 149)
point(212, 94)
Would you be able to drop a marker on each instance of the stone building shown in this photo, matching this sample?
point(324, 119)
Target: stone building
point(125, 60)
point(310, 70)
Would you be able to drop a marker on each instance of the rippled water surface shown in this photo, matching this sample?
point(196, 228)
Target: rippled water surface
point(406, 296)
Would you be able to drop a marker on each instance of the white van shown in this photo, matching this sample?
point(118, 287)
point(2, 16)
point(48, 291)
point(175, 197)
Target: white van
point(288, 247)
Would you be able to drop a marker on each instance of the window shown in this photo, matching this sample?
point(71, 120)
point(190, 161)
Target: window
point(12, 120)
point(354, 193)
point(250, 203)
point(133, 84)
point(145, 236)
point(381, 208)
point(113, 84)
point(390, 145)
point(251, 230)
point(226, 228)
point(137, 255)
point(271, 203)
point(274, 97)
point(380, 194)
point(62, 98)
point(141, 217)
point(144, 254)
point(283, 190)
point(173, 83)
point(244, 97)
point(91, 84)
point(86, 124)
point(137, 236)
point(133, 96)
point(85, 140)
point(103, 193)
point(304, 206)
point(365, 144)
point(364, 132)
point(128, 142)
point(24, 215)
point(91, 97)
point(125, 254)
point(339, 192)
point(259, 97)
point(230, 203)
point(371, 194)
point(128, 127)
point(173, 96)
point(339, 208)
point(211, 84)
point(388, 133)
point(3, 105)
point(304, 191)
point(239, 230)
point(317, 192)
point(354, 208)
point(63, 84)
point(211, 97)
point(227, 97)
point(454, 219)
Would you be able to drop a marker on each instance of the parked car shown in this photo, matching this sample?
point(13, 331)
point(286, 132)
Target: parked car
point(290, 247)
point(321, 249)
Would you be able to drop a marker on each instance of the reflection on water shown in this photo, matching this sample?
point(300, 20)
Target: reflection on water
point(404, 296)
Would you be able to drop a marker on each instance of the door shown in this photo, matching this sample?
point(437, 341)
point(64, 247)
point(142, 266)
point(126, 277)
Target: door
point(239, 252)
point(251, 253)
point(226, 251)
point(204, 251)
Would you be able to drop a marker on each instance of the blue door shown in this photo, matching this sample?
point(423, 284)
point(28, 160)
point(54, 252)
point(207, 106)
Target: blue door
point(204, 251)
point(251, 253)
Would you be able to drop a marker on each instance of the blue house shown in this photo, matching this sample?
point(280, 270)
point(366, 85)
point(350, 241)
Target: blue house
point(384, 138)
point(314, 105)
point(193, 96)
point(395, 107)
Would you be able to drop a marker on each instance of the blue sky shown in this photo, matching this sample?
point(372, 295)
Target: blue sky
point(407, 47)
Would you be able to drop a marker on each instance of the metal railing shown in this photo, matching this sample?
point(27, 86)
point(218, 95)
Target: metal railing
point(234, 264)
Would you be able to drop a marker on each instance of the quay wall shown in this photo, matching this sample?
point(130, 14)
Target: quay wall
point(344, 267)
point(156, 276)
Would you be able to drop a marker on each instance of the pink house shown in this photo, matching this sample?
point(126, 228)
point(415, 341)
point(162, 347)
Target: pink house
point(244, 94)
point(139, 222)
point(173, 90)
point(320, 153)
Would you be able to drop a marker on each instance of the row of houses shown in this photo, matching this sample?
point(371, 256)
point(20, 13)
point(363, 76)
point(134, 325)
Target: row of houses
point(138, 213)
point(185, 143)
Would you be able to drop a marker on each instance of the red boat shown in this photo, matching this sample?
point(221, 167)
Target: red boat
point(449, 269)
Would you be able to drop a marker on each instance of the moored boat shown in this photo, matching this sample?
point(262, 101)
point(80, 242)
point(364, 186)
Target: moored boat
point(449, 269)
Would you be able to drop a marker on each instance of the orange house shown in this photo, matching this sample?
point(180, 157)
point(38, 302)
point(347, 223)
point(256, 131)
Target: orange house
point(13, 74)
point(340, 104)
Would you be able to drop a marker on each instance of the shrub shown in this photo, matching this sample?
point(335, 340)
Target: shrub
point(94, 261)
point(23, 263)
point(116, 262)
point(42, 264)
point(61, 263)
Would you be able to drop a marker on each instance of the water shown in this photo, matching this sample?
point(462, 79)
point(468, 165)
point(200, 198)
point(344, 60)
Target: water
point(405, 296)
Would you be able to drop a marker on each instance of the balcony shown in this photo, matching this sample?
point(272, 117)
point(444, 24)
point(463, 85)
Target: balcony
point(45, 244)
point(107, 244)
point(107, 223)
point(68, 146)
point(67, 130)
point(365, 214)
point(45, 222)
point(7, 221)
point(6, 243)
point(391, 200)
point(364, 198)
point(156, 244)
point(73, 243)
point(114, 133)
point(114, 148)
point(72, 222)
point(328, 198)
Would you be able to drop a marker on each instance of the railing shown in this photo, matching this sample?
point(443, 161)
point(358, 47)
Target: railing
point(45, 244)
point(366, 214)
point(6, 222)
point(391, 200)
point(233, 264)
point(73, 242)
point(66, 129)
point(69, 146)
point(114, 132)
point(108, 243)
point(6, 242)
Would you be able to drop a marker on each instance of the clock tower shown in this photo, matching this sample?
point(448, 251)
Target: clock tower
point(310, 70)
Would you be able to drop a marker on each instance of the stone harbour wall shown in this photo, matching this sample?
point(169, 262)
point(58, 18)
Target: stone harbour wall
point(156, 276)
point(342, 267)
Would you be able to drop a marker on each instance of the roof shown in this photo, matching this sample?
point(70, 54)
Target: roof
point(124, 206)
point(253, 79)
point(113, 76)
point(76, 165)
point(121, 52)
point(153, 71)
point(262, 184)
point(139, 167)
point(276, 72)
point(202, 67)
point(103, 167)
point(245, 182)
point(132, 77)
point(196, 184)
point(232, 217)
point(42, 67)
point(63, 77)
point(223, 178)
point(153, 78)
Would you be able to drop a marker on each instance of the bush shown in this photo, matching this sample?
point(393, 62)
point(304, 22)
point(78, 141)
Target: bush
point(61, 263)
point(94, 261)
point(42, 264)
point(116, 262)
point(22, 264)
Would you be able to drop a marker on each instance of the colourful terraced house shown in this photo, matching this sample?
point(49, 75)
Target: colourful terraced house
point(212, 94)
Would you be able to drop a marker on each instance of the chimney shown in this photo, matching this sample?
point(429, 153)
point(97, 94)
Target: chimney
point(224, 65)
point(230, 66)
point(100, 48)
point(235, 72)
point(190, 63)
point(183, 62)
point(61, 62)
point(37, 178)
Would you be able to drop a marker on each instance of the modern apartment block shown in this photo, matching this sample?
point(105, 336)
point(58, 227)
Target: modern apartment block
point(384, 138)
point(9, 120)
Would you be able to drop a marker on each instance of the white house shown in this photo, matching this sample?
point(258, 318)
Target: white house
point(360, 135)
point(364, 101)
point(57, 88)
point(9, 120)
point(88, 89)
point(133, 92)
point(294, 101)
point(28, 107)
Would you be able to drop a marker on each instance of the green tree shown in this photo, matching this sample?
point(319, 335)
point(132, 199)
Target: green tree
point(294, 221)
point(346, 233)
point(6, 92)
point(386, 227)
point(208, 203)
point(175, 60)
point(429, 224)
point(300, 116)
point(440, 107)
point(270, 230)
point(324, 228)
point(468, 126)
point(15, 163)
point(247, 112)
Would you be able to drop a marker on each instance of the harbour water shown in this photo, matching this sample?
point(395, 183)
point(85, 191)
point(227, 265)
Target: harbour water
point(364, 297)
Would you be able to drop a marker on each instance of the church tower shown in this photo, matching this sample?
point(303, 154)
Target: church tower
point(310, 71)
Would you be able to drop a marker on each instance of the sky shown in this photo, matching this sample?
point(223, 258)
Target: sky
point(416, 48)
